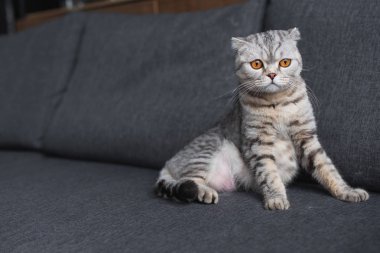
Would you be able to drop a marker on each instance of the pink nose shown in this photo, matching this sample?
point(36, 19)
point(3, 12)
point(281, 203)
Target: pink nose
point(272, 75)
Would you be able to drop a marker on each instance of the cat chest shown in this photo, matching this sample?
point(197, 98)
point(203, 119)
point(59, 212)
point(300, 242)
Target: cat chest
point(277, 128)
point(282, 115)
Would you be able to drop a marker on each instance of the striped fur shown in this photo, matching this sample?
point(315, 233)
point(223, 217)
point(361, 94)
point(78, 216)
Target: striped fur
point(270, 134)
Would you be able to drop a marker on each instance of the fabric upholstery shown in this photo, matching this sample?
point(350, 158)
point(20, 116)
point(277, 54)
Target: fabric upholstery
point(340, 48)
point(58, 205)
point(144, 86)
point(135, 89)
point(34, 69)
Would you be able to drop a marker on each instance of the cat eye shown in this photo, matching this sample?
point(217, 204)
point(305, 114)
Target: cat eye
point(285, 62)
point(256, 64)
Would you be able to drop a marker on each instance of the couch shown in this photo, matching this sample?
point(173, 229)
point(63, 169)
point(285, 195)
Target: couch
point(92, 105)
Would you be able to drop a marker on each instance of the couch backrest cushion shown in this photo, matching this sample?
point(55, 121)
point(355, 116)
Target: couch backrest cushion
point(341, 51)
point(144, 86)
point(34, 69)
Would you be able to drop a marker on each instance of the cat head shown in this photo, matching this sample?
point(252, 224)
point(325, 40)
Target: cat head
point(268, 62)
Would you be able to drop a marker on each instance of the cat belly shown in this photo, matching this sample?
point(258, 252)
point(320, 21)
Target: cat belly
point(227, 169)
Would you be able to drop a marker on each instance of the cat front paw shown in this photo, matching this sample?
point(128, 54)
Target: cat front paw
point(277, 203)
point(353, 195)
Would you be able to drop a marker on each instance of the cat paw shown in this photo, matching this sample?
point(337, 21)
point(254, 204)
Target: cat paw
point(278, 203)
point(207, 195)
point(353, 195)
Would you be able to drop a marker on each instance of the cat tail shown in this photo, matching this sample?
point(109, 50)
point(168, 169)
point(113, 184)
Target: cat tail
point(184, 190)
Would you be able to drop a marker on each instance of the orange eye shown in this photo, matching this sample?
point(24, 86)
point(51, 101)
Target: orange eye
point(256, 64)
point(285, 62)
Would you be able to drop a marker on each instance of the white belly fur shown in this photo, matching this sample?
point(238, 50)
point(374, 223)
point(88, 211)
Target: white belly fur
point(227, 170)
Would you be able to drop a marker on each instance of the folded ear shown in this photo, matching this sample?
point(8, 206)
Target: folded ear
point(238, 42)
point(294, 34)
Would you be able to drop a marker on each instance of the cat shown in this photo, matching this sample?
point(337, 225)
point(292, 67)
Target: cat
point(265, 140)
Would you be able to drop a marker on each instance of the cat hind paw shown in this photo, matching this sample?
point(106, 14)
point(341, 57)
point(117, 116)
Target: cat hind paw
point(207, 195)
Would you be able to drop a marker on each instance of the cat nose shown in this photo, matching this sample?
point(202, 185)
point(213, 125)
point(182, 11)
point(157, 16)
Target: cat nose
point(272, 75)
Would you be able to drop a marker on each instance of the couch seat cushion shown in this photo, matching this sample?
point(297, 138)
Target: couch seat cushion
point(57, 205)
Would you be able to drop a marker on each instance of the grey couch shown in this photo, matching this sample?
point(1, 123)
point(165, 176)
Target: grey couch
point(92, 105)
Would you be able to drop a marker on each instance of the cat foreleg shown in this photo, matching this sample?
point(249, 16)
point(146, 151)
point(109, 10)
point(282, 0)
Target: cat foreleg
point(315, 160)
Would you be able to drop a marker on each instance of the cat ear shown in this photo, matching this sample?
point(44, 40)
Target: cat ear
point(238, 42)
point(294, 34)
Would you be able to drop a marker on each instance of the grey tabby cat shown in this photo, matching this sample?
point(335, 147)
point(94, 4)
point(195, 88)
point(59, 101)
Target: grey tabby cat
point(264, 141)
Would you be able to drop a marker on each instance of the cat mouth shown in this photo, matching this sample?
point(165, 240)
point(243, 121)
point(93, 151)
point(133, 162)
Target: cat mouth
point(272, 83)
point(273, 87)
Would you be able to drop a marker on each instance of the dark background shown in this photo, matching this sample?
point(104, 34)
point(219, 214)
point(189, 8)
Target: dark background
point(18, 15)
point(11, 10)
